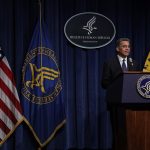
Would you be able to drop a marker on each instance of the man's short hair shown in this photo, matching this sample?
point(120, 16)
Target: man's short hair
point(122, 39)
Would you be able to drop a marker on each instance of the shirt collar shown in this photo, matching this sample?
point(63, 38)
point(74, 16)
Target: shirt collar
point(121, 58)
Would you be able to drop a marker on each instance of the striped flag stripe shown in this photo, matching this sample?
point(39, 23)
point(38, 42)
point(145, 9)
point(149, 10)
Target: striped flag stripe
point(4, 128)
point(6, 120)
point(7, 71)
point(6, 62)
point(10, 105)
point(6, 110)
point(10, 95)
point(8, 82)
point(2, 135)
point(10, 108)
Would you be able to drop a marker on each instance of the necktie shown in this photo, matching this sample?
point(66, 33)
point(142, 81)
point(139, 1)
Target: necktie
point(124, 67)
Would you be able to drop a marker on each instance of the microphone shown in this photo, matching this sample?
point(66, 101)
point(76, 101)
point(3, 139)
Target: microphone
point(131, 61)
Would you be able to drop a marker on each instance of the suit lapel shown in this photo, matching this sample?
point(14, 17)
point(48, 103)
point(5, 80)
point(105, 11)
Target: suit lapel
point(117, 64)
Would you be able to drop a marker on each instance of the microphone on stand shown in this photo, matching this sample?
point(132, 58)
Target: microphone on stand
point(131, 61)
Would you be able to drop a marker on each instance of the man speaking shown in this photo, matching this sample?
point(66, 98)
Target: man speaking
point(119, 63)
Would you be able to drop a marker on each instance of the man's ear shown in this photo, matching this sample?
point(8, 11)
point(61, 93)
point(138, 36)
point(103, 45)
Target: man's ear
point(117, 49)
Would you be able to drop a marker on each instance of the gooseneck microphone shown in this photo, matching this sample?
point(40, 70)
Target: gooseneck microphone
point(131, 61)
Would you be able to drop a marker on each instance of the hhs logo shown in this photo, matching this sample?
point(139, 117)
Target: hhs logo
point(89, 25)
point(143, 86)
point(41, 76)
point(89, 30)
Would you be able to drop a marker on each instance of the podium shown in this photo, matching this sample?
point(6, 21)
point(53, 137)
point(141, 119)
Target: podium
point(130, 112)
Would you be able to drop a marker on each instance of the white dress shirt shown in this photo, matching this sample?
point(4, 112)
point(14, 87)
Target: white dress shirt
point(121, 60)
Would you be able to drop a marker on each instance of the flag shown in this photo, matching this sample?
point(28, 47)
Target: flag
point(147, 64)
point(10, 108)
point(42, 91)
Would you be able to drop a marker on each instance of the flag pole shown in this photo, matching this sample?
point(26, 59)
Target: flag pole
point(40, 9)
point(40, 13)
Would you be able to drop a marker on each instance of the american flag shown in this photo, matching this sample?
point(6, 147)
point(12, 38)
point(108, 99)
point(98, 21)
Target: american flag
point(10, 108)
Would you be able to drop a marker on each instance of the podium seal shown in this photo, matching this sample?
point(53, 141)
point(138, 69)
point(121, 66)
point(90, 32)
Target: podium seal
point(143, 86)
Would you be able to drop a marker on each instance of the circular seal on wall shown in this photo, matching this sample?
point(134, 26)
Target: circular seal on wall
point(89, 30)
point(143, 86)
point(41, 76)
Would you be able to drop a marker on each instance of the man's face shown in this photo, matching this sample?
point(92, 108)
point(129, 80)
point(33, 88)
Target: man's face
point(123, 49)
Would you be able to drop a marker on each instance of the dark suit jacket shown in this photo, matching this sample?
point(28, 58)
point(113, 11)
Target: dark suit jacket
point(112, 69)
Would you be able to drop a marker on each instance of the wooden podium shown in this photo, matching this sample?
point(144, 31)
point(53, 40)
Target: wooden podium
point(130, 112)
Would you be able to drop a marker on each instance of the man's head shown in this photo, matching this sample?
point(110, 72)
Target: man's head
point(123, 47)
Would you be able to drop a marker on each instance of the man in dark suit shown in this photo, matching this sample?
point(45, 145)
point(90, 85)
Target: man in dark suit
point(112, 69)
point(119, 63)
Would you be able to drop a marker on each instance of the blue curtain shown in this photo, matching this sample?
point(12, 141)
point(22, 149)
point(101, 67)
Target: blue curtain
point(88, 123)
